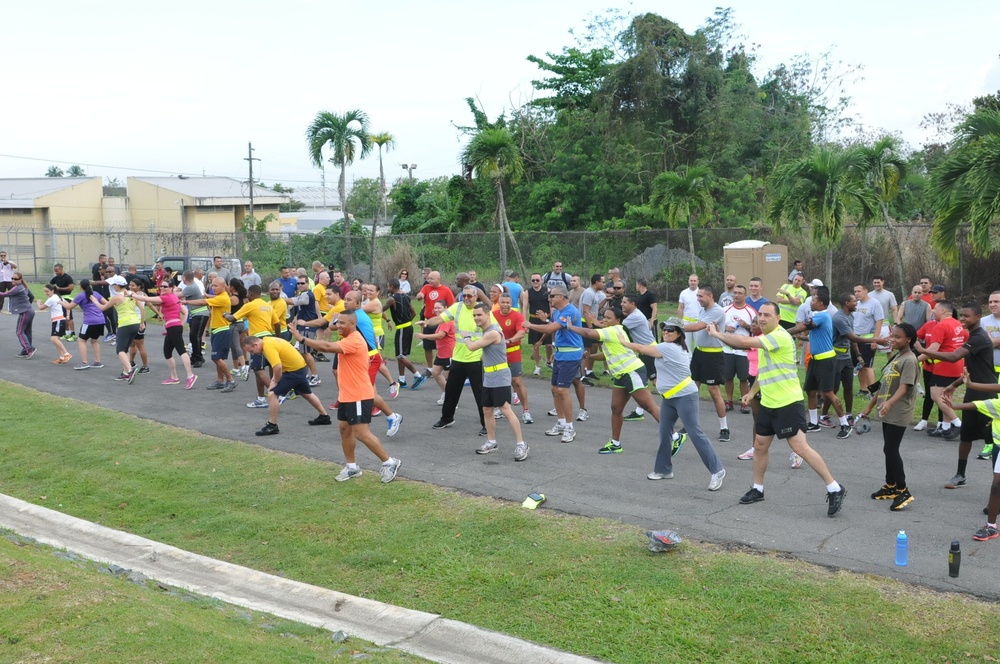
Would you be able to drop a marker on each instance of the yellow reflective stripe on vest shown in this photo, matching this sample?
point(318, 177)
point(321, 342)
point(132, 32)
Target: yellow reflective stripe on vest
point(567, 349)
point(841, 350)
point(373, 352)
point(513, 349)
point(220, 329)
point(708, 350)
point(824, 356)
point(403, 325)
point(266, 333)
point(495, 367)
point(677, 388)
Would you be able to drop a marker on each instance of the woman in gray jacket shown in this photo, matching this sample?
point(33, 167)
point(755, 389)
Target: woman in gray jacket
point(20, 304)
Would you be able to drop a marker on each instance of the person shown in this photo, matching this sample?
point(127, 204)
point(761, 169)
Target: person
point(289, 282)
point(57, 315)
point(576, 291)
point(755, 293)
point(512, 285)
point(198, 316)
point(590, 306)
point(627, 370)
point(496, 380)
point(927, 371)
point(128, 323)
point(174, 312)
point(688, 307)
point(401, 316)
point(739, 318)
point(371, 304)
point(139, 341)
point(556, 277)
point(637, 327)
point(538, 303)
point(796, 270)
point(868, 317)
point(221, 270)
point(679, 400)
point(431, 292)
point(64, 288)
point(288, 372)
point(568, 359)
point(7, 268)
point(218, 303)
point(92, 328)
point(947, 337)
point(645, 301)
point(781, 412)
point(443, 337)
point(893, 406)
point(466, 363)
point(357, 394)
point(707, 362)
point(303, 308)
point(262, 321)
point(404, 282)
point(342, 285)
point(977, 352)
point(275, 294)
point(496, 290)
point(322, 303)
point(512, 327)
point(474, 280)
point(356, 284)
point(915, 310)
point(789, 297)
point(726, 298)
point(890, 310)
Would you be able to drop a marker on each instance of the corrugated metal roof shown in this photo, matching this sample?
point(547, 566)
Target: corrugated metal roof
point(215, 187)
point(313, 197)
point(22, 192)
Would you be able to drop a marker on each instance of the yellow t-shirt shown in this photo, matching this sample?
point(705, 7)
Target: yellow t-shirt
point(218, 305)
point(260, 317)
point(319, 291)
point(281, 313)
point(278, 351)
point(334, 311)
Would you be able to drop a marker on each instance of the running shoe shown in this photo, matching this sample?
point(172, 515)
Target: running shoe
point(835, 500)
point(826, 422)
point(634, 417)
point(552, 412)
point(921, 425)
point(660, 476)
point(985, 533)
point(393, 390)
point(217, 385)
point(81, 366)
point(610, 448)
point(259, 402)
point(387, 472)
point(320, 420)
point(729, 406)
point(230, 386)
point(956, 482)
point(487, 448)
point(746, 456)
point(245, 372)
point(483, 432)
point(171, 381)
point(953, 433)
point(521, 451)
point(348, 474)
point(143, 370)
point(568, 435)
point(589, 381)
point(96, 365)
point(583, 415)
point(31, 354)
point(497, 414)
point(122, 376)
point(189, 381)
point(557, 430)
point(844, 433)
point(715, 483)
point(314, 381)
point(418, 380)
point(987, 452)
point(516, 401)
point(796, 461)
point(752, 496)
point(268, 429)
point(375, 411)
point(537, 371)
point(132, 374)
point(526, 418)
point(745, 410)
point(886, 493)
point(392, 422)
point(440, 401)
point(723, 435)
point(677, 443)
point(903, 499)
point(441, 424)
point(812, 427)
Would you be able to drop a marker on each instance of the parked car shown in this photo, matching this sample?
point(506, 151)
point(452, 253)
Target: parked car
point(206, 263)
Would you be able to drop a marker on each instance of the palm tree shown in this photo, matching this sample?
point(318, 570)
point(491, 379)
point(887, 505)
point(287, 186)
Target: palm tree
point(819, 190)
point(54, 172)
point(885, 171)
point(348, 137)
point(384, 139)
point(965, 187)
point(685, 198)
point(493, 154)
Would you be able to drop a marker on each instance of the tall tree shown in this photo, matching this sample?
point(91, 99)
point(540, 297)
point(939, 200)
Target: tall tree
point(54, 172)
point(820, 190)
point(493, 154)
point(386, 140)
point(347, 136)
point(76, 171)
point(965, 187)
point(685, 198)
point(885, 172)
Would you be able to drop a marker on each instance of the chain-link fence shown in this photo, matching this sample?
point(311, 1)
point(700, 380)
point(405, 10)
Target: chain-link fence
point(658, 255)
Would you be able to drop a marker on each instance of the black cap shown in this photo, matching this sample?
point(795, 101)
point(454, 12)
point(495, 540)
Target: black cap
point(938, 288)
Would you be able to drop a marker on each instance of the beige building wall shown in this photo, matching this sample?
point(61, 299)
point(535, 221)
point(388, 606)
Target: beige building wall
point(76, 207)
point(154, 205)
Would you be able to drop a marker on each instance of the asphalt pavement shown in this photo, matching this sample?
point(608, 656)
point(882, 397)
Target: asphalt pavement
point(578, 480)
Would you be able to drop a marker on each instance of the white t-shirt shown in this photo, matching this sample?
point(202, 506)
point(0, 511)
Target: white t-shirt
point(55, 306)
point(992, 326)
point(692, 308)
point(734, 317)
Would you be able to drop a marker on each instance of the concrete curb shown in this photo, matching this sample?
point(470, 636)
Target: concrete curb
point(425, 634)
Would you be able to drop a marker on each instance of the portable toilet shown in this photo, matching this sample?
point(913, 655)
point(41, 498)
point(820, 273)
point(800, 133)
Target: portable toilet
point(754, 258)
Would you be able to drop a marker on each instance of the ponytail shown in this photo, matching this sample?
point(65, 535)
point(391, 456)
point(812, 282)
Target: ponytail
point(85, 285)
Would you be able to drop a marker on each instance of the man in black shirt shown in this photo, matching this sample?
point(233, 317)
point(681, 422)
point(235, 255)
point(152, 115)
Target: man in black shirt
point(97, 269)
point(646, 303)
point(538, 301)
point(978, 355)
point(64, 288)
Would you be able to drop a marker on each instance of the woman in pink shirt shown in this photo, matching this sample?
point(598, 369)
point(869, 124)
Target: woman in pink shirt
point(173, 313)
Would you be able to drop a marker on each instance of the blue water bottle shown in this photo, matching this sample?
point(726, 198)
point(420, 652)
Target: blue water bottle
point(902, 548)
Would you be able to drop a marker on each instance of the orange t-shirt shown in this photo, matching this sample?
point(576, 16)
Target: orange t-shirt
point(352, 375)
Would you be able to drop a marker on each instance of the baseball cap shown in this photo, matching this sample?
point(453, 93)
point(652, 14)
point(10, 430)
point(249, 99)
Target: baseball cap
point(117, 280)
point(816, 282)
point(938, 288)
point(672, 322)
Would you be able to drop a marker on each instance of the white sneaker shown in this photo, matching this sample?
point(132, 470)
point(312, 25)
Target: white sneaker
point(516, 401)
point(746, 456)
point(921, 425)
point(392, 422)
point(526, 418)
point(568, 435)
point(796, 460)
point(583, 416)
point(487, 448)
point(259, 402)
point(660, 476)
point(557, 430)
point(497, 414)
point(537, 372)
point(716, 482)
point(521, 451)
point(440, 401)
point(314, 381)
point(348, 474)
point(553, 413)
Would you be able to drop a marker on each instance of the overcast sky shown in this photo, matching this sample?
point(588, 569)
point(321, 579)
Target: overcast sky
point(182, 87)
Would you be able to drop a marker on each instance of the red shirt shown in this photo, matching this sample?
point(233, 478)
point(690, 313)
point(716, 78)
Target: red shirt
point(432, 295)
point(951, 336)
point(922, 336)
point(510, 325)
point(929, 299)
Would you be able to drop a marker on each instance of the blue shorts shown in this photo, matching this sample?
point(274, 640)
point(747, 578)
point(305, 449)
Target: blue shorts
point(293, 380)
point(564, 372)
point(221, 341)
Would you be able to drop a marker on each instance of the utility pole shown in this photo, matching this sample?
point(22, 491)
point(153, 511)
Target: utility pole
point(251, 159)
point(409, 168)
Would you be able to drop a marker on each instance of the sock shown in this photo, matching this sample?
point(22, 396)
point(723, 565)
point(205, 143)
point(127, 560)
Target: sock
point(675, 436)
point(639, 410)
point(759, 487)
point(491, 442)
point(615, 442)
point(843, 421)
point(562, 423)
point(813, 416)
point(990, 525)
point(352, 466)
point(956, 422)
point(945, 426)
point(389, 462)
point(962, 464)
point(833, 487)
point(723, 423)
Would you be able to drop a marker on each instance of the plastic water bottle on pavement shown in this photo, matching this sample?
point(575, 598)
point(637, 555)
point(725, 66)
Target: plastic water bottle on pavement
point(902, 548)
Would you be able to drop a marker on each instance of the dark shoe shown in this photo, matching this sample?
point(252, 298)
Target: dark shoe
point(729, 406)
point(441, 424)
point(268, 430)
point(131, 374)
point(885, 493)
point(812, 427)
point(482, 432)
point(752, 496)
point(634, 417)
point(321, 419)
point(589, 381)
point(936, 433)
point(723, 435)
point(985, 533)
point(956, 482)
point(952, 434)
point(745, 410)
point(903, 499)
point(844, 433)
point(835, 500)
point(826, 422)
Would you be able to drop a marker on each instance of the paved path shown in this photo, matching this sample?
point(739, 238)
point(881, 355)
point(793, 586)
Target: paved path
point(578, 480)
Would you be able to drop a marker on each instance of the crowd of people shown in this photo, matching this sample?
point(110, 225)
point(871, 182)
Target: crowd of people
point(474, 335)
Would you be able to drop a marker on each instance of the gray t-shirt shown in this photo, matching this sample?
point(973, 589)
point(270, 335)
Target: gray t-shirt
point(638, 327)
point(672, 368)
point(888, 301)
point(590, 301)
point(493, 355)
point(193, 292)
point(916, 313)
point(223, 272)
point(865, 316)
point(843, 324)
point(991, 324)
point(714, 314)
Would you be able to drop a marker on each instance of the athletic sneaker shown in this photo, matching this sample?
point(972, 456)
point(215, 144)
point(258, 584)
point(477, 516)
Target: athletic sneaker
point(122, 376)
point(987, 452)
point(348, 474)
point(937, 432)
point(171, 381)
point(131, 375)
point(143, 370)
point(568, 435)
point(795, 460)
point(752, 496)
point(956, 482)
point(521, 451)
point(885, 493)
point(826, 422)
point(268, 429)
point(634, 417)
point(259, 402)
point(902, 500)
point(745, 410)
point(589, 380)
point(441, 424)
point(729, 406)
point(282, 399)
point(537, 371)
point(516, 401)
point(583, 415)
point(314, 381)
point(921, 425)
point(677, 443)
point(418, 380)
point(715, 483)
point(557, 430)
point(402, 384)
point(746, 456)
point(610, 448)
point(388, 470)
point(320, 420)
point(440, 401)
point(189, 381)
point(31, 354)
point(526, 418)
point(81, 366)
point(723, 435)
point(487, 448)
point(483, 432)
point(230, 386)
point(987, 532)
point(953, 433)
point(812, 427)
point(217, 385)
point(552, 413)
point(844, 433)
point(497, 414)
point(660, 476)
point(392, 422)
point(111, 338)
point(835, 500)
point(245, 372)
point(393, 390)
point(96, 365)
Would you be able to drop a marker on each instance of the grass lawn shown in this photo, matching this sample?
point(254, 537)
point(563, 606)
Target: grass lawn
point(588, 586)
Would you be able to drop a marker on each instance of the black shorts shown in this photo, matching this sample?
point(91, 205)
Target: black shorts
point(293, 380)
point(221, 341)
point(633, 381)
point(976, 426)
point(783, 422)
point(707, 367)
point(141, 334)
point(355, 412)
point(942, 381)
point(91, 332)
point(494, 397)
point(843, 374)
point(867, 354)
point(124, 337)
point(403, 339)
point(736, 366)
point(534, 336)
point(786, 325)
point(821, 375)
point(443, 362)
point(59, 327)
point(430, 344)
point(174, 341)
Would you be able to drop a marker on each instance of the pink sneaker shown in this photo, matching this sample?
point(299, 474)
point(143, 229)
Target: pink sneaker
point(171, 381)
point(189, 383)
point(746, 456)
point(796, 460)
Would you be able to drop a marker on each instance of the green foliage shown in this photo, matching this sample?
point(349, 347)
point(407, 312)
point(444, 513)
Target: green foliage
point(54, 172)
point(75, 171)
point(363, 199)
point(577, 77)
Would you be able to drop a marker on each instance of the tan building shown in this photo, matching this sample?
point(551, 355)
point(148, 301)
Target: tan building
point(199, 205)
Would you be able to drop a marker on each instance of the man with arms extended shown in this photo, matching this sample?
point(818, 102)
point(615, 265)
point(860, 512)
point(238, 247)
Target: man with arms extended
point(288, 372)
point(868, 317)
point(431, 292)
point(512, 326)
point(707, 361)
point(781, 412)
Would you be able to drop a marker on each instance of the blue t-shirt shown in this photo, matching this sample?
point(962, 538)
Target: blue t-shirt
point(366, 328)
point(571, 343)
point(756, 303)
point(514, 289)
point(821, 334)
point(289, 285)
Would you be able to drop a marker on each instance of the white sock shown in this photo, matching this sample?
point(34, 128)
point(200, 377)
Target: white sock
point(639, 410)
point(945, 426)
point(956, 422)
point(833, 487)
point(615, 442)
point(843, 421)
point(562, 423)
point(352, 466)
point(813, 416)
point(723, 423)
point(491, 442)
point(759, 487)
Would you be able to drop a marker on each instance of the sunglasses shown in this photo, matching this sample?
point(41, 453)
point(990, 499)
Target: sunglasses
point(303, 283)
point(15, 279)
point(536, 281)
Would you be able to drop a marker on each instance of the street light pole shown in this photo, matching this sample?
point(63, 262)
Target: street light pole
point(409, 168)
